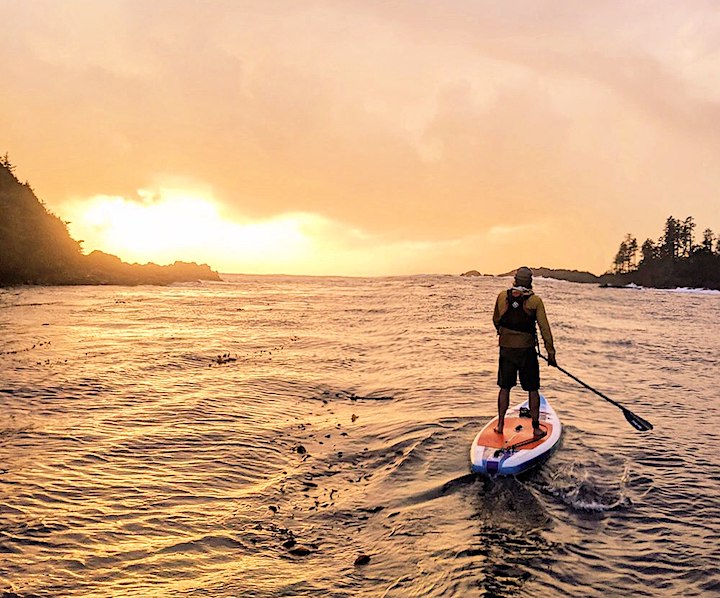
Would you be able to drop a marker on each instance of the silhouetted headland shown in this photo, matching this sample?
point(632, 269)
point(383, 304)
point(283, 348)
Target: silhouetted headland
point(675, 260)
point(560, 274)
point(36, 248)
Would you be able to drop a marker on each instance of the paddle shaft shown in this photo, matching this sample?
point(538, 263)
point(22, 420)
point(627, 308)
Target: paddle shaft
point(635, 421)
point(597, 392)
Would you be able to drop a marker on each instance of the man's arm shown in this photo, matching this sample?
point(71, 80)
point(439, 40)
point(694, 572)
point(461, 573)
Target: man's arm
point(497, 315)
point(545, 331)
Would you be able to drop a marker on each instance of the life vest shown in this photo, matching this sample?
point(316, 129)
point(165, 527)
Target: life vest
point(516, 317)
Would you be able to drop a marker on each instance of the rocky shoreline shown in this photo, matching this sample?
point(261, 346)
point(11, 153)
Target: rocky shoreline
point(659, 276)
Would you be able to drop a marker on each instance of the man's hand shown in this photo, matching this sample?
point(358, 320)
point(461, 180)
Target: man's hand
point(551, 360)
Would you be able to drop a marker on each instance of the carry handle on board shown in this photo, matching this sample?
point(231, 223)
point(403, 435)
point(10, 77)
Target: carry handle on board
point(636, 421)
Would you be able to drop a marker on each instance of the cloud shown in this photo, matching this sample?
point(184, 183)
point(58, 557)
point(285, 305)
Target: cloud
point(413, 122)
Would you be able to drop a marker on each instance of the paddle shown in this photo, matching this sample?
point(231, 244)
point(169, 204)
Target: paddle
point(636, 421)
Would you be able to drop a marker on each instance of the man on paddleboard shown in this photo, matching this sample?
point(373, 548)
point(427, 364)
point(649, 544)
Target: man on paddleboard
point(516, 312)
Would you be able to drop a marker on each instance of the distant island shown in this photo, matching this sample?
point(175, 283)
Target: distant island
point(675, 260)
point(559, 274)
point(474, 273)
point(36, 248)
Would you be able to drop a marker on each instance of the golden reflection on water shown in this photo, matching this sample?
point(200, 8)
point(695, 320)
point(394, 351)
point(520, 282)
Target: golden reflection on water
point(134, 462)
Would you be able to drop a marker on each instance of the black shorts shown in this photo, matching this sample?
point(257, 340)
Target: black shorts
point(525, 362)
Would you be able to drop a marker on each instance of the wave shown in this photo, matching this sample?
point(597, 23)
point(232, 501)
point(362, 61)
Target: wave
point(694, 291)
point(575, 486)
point(257, 436)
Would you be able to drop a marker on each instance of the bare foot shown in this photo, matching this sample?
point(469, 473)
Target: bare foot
point(498, 429)
point(538, 432)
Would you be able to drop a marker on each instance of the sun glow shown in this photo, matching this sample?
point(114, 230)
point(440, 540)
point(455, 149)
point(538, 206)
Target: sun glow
point(173, 225)
point(169, 224)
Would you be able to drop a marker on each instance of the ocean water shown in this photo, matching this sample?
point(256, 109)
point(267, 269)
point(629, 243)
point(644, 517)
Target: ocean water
point(292, 436)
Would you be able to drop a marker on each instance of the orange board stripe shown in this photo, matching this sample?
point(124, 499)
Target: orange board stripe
point(512, 436)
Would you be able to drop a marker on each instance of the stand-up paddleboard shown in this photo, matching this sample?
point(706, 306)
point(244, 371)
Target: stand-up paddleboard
point(515, 450)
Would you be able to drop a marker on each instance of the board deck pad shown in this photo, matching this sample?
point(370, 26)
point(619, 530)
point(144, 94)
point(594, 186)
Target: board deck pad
point(511, 435)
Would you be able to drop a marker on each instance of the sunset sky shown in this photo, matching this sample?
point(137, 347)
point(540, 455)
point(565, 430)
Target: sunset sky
point(365, 137)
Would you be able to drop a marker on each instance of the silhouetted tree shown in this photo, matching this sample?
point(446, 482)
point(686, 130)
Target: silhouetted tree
point(669, 243)
point(648, 251)
point(5, 161)
point(620, 259)
point(632, 247)
point(625, 258)
point(707, 242)
point(686, 237)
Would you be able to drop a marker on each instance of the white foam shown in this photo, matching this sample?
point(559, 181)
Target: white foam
point(695, 291)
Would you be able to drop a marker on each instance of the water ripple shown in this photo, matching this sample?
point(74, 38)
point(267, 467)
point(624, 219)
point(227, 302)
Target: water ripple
point(274, 436)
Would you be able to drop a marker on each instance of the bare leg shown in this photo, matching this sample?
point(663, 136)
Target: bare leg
point(503, 404)
point(534, 403)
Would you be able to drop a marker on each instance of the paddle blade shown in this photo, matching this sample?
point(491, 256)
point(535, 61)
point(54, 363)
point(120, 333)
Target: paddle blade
point(636, 421)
